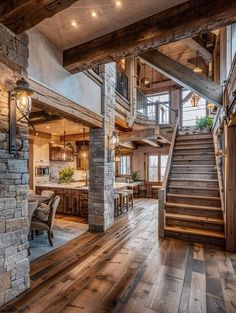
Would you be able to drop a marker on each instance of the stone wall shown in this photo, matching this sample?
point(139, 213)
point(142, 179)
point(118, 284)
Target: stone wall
point(101, 166)
point(14, 264)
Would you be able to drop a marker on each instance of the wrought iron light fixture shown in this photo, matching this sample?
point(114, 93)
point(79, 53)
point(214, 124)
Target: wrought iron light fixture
point(114, 143)
point(210, 106)
point(19, 98)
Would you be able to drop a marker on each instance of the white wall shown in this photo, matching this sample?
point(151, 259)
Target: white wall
point(45, 66)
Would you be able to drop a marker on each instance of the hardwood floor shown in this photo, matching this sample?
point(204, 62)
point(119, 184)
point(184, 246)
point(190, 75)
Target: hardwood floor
point(129, 270)
point(71, 218)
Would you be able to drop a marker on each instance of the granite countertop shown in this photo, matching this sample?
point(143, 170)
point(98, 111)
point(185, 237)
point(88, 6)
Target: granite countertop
point(82, 186)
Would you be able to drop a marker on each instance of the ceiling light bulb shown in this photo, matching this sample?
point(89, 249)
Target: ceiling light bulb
point(48, 127)
point(118, 3)
point(94, 14)
point(74, 24)
point(197, 70)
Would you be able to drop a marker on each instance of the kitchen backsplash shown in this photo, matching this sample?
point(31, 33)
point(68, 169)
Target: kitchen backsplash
point(56, 166)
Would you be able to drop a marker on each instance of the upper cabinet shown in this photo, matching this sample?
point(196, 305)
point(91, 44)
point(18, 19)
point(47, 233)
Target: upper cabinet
point(41, 151)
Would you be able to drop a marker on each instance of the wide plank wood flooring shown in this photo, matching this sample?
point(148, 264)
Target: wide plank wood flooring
point(129, 270)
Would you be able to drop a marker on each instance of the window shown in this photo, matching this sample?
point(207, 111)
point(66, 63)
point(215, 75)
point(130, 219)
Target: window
point(125, 162)
point(156, 167)
point(190, 113)
point(164, 159)
point(153, 168)
point(163, 100)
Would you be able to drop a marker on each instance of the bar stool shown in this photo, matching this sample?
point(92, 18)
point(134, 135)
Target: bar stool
point(117, 205)
point(130, 198)
point(123, 200)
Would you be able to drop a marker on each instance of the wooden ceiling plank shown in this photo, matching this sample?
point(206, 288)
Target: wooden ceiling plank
point(20, 16)
point(180, 22)
point(184, 76)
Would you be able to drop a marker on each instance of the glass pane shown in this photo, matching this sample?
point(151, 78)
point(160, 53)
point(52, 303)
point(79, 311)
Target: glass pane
point(164, 159)
point(153, 168)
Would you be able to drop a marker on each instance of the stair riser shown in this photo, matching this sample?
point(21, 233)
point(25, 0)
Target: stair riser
point(200, 157)
point(194, 224)
point(194, 162)
point(202, 184)
point(194, 176)
point(195, 238)
point(194, 147)
point(202, 192)
point(187, 169)
point(203, 202)
point(193, 143)
point(195, 212)
point(191, 152)
point(195, 137)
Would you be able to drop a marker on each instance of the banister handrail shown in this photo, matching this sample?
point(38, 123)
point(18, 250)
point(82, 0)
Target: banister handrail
point(171, 152)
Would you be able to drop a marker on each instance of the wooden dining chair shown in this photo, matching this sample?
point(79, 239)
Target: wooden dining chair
point(38, 224)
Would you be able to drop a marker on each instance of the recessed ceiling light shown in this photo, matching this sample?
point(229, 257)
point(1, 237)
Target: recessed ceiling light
point(118, 4)
point(94, 14)
point(74, 24)
point(48, 127)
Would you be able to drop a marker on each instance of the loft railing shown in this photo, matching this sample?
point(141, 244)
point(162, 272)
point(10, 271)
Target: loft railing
point(122, 83)
point(153, 111)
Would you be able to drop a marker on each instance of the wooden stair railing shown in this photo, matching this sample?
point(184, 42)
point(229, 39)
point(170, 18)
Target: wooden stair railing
point(162, 191)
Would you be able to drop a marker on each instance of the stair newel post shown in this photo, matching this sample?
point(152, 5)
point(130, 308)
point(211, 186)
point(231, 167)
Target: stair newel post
point(162, 191)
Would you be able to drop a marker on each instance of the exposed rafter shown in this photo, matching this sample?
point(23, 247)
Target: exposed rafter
point(183, 21)
point(185, 77)
point(20, 16)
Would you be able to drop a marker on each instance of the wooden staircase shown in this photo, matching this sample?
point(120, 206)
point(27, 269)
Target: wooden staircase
point(193, 206)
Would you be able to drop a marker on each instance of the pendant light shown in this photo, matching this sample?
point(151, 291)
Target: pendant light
point(83, 150)
point(197, 69)
point(64, 153)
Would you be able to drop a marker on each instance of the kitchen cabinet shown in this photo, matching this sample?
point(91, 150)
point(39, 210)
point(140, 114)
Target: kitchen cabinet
point(41, 151)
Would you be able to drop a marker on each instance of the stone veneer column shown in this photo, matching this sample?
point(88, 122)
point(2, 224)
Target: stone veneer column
point(101, 167)
point(14, 227)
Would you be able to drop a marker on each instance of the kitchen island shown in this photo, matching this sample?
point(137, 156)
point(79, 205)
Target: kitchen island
point(74, 196)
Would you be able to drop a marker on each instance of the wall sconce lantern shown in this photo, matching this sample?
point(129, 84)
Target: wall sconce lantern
point(19, 98)
point(210, 106)
point(194, 100)
point(114, 144)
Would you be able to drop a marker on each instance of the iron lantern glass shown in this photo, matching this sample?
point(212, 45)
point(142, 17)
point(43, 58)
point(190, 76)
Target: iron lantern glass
point(23, 96)
point(114, 140)
point(194, 100)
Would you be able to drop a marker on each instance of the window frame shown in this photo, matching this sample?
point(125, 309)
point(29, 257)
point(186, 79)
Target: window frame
point(119, 171)
point(159, 167)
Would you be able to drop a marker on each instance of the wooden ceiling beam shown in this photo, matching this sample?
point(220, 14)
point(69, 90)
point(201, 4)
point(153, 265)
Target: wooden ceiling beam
point(198, 46)
point(151, 143)
point(184, 76)
point(22, 15)
point(136, 135)
point(182, 21)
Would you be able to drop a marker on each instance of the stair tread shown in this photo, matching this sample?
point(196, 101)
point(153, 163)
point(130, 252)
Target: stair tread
point(195, 218)
point(195, 231)
point(194, 165)
point(193, 188)
point(192, 196)
point(195, 173)
point(193, 206)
